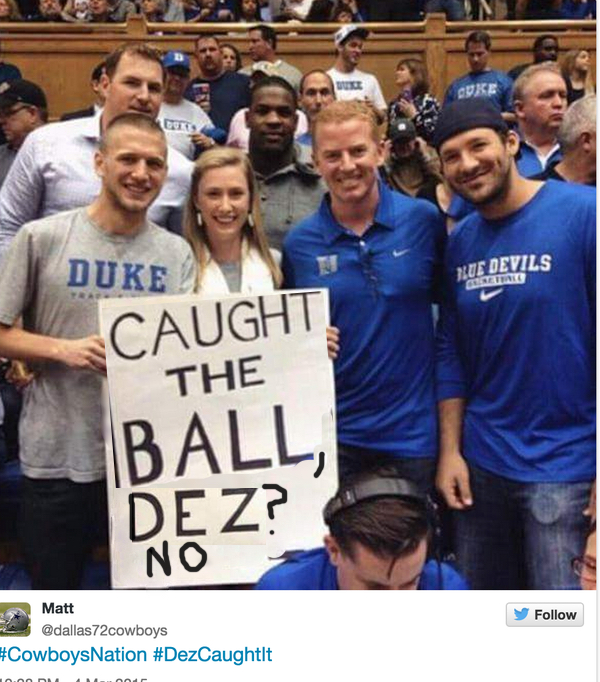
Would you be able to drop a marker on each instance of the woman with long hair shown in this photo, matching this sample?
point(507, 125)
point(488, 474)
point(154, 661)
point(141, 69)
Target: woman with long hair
point(9, 11)
point(577, 72)
point(224, 227)
point(232, 59)
point(414, 101)
point(247, 11)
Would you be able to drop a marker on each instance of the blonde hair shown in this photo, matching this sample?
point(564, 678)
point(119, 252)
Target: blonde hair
point(195, 233)
point(531, 72)
point(343, 111)
point(15, 14)
point(568, 67)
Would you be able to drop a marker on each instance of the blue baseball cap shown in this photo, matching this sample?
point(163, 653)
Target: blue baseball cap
point(176, 58)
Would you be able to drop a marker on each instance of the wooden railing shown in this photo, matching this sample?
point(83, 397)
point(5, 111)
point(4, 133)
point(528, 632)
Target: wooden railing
point(60, 57)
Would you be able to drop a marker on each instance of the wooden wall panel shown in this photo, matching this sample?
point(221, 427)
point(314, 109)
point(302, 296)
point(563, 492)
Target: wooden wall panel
point(60, 58)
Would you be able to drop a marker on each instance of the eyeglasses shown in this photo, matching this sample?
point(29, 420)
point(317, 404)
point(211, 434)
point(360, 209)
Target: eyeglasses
point(7, 113)
point(584, 568)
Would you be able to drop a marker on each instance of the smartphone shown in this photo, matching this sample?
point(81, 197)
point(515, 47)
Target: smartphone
point(202, 95)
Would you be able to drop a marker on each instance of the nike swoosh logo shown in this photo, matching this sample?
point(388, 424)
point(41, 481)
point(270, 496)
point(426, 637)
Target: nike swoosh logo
point(397, 254)
point(487, 295)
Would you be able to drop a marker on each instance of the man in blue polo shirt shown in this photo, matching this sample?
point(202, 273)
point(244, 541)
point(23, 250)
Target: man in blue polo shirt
point(482, 81)
point(516, 361)
point(540, 98)
point(378, 252)
point(380, 533)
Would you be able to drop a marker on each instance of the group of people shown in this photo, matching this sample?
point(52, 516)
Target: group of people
point(495, 409)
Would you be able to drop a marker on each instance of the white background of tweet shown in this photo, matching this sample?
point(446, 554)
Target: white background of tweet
point(407, 636)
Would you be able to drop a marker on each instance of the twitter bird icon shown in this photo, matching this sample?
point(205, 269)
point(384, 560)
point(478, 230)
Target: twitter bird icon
point(522, 614)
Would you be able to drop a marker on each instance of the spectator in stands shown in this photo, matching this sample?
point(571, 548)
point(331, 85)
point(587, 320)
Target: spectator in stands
point(174, 11)
point(247, 12)
point(9, 11)
point(293, 10)
point(537, 10)
point(208, 11)
point(23, 108)
point(121, 9)
point(577, 140)
point(381, 530)
point(263, 48)
point(545, 49)
point(53, 170)
point(187, 127)
point(224, 227)
point(578, 9)
point(342, 14)
point(408, 169)
point(289, 190)
point(577, 72)
point(63, 491)
point(153, 10)
point(220, 93)
point(414, 100)
point(97, 72)
point(316, 92)
point(239, 132)
point(320, 11)
point(232, 58)
point(482, 80)
point(379, 254)
point(453, 9)
point(100, 12)
point(519, 299)
point(50, 11)
point(349, 82)
point(540, 101)
point(78, 10)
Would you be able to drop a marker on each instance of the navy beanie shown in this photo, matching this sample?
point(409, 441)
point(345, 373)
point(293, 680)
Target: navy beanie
point(467, 114)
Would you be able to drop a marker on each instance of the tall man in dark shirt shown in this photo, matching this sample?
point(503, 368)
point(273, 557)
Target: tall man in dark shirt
point(219, 92)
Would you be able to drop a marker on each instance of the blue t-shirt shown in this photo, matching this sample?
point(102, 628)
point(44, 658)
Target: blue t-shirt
point(312, 570)
point(493, 85)
point(528, 163)
point(517, 337)
point(381, 289)
point(229, 93)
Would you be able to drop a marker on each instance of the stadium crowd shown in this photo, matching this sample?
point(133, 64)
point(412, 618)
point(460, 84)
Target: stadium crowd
point(466, 447)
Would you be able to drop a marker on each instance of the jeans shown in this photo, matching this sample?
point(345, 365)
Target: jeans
point(521, 535)
point(453, 9)
point(60, 523)
point(419, 470)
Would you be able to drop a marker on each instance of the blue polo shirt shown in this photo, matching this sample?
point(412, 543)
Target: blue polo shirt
point(312, 570)
point(381, 287)
point(528, 163)
point(517, 337)
point(493, 85)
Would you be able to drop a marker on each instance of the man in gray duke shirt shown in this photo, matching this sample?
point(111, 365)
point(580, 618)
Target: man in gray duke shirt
point(53, 274)
point(53, 170)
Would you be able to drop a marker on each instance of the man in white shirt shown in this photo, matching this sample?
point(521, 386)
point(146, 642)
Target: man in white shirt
point(185, 123)
point(53, 170)
point(350, 83)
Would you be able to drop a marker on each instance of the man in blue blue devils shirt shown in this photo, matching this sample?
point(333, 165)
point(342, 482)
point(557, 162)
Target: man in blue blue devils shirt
point(378, 252)
point(516, 361)
point(380, 531)
point(482, 80)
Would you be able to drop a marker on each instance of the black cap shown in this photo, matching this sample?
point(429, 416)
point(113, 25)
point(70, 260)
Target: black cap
point(402, 130)
point(21, 91)
point(467, 114)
